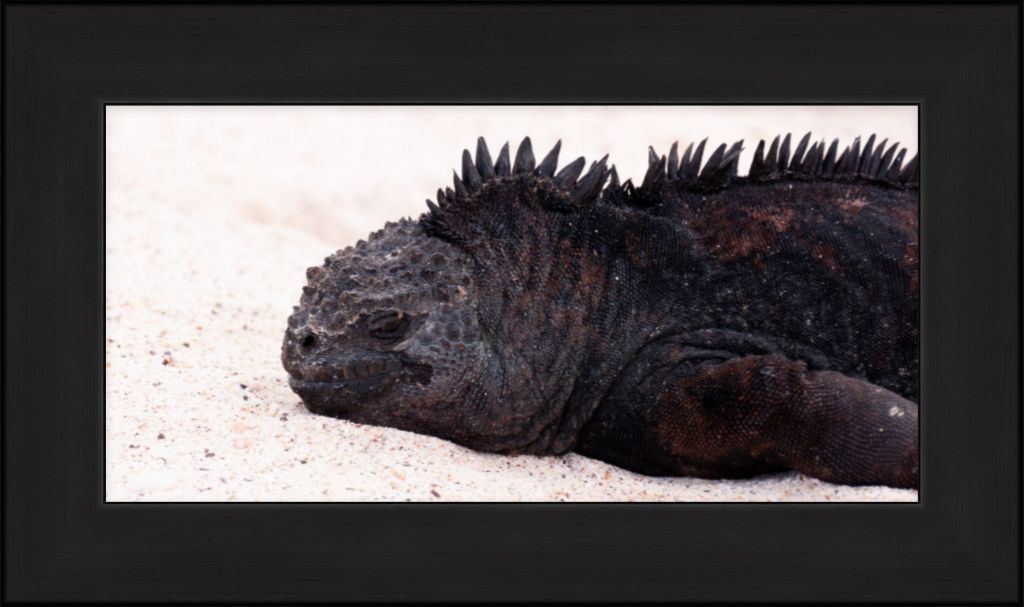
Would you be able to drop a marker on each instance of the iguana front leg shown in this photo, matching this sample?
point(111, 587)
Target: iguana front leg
point(736, 417)
point(759, 411)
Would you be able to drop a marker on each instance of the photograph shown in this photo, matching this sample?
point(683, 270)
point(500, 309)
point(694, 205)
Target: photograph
point(511, 303)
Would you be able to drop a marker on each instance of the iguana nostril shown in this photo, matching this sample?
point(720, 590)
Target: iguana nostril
point(308, 341)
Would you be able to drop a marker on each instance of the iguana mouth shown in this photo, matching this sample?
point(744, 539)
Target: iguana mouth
point(362, 378)
point(358, 376)
point(355, 387)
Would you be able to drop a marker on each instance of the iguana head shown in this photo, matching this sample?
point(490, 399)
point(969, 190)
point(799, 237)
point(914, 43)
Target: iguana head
point(457, 325)
point(386, 330)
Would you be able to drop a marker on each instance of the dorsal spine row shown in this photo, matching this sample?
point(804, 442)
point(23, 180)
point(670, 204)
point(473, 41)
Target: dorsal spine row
point(876, 163)
point(581, 190)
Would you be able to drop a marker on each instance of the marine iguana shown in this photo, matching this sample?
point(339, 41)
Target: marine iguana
point(702, 323)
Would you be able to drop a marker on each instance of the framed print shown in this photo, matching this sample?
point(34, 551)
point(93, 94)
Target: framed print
point(238, 343)
point(216, 389)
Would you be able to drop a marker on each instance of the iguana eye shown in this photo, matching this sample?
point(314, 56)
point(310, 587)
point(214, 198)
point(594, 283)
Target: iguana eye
point(388, 325)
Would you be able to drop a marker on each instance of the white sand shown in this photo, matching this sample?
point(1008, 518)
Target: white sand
point(213, 215)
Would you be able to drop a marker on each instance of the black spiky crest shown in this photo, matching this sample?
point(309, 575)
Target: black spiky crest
point(879, 164)
point(572, 189)
point(875, 163)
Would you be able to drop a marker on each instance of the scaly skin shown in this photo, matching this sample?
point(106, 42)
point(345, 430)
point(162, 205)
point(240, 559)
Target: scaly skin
point(701, 325)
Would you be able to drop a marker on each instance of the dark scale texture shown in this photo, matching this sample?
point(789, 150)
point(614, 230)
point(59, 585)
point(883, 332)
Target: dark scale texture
point(699, 324)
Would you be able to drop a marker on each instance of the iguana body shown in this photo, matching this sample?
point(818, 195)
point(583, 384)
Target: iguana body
point(701, 324)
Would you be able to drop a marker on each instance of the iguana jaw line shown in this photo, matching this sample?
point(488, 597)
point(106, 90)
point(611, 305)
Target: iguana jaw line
point(360, 387)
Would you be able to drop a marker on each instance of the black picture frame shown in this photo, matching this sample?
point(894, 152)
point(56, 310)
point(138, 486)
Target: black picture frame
point(63, 62)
